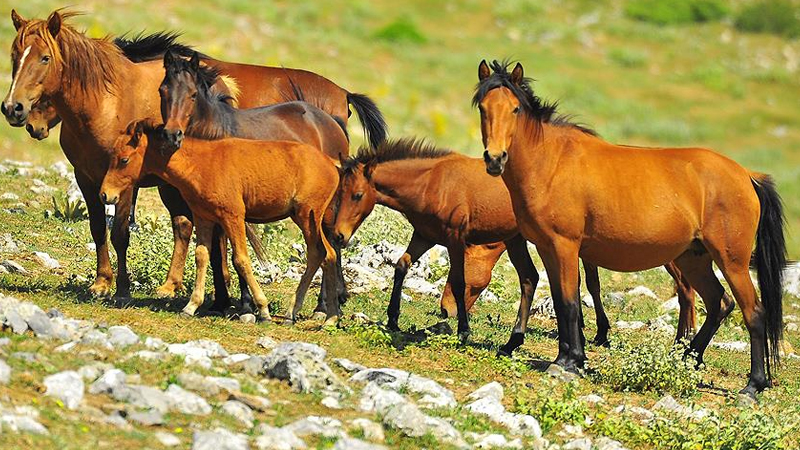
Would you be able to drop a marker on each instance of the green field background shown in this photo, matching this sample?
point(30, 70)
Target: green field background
point(636, 83)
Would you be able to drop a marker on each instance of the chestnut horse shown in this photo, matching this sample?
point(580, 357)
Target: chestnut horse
point(189, 107)
point(452, 202)
point(228, 181)
point(97, 90)
point(632, 208)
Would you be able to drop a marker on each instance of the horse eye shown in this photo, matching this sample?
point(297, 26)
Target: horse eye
point(357, 196)
point(45, 59)
point(124, 161)
point(516, 110)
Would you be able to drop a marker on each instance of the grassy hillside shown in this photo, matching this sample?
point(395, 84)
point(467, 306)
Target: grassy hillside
point(635, 82)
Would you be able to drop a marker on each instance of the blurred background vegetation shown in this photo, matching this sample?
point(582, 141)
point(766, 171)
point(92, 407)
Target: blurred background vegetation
point(720, 74)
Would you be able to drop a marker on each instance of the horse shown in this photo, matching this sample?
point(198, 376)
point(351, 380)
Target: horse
point(190, 107)
point(228, 181)
point(632, 208)
point(97, 90)
point(42, 118)
point(450, 202)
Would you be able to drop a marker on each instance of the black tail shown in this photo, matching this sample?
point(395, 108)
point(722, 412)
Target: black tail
point(375, 128)
point(770, 259)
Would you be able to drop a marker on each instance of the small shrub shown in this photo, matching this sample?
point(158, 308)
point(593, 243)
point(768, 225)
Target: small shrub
point(371, 335)
point(672, 12)
point(550, 410)
point(70, 211)
point(646, 366)
point(150, 255)
point(402, 29)
point(781, 17)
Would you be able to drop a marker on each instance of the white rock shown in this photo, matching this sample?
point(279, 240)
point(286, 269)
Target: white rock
point(66, 386)
point(317, 426)
point(239, 411)
point(635, 325)
point(5, 372)
point(107, 382)
point(13, 267)
point(266, 342)
point(47, 261)
point(198, 360)
point(605, 443)
point(735, 346)
point(434, 394)
point(272, 438)
point(186, 402)
point(202, 347)
point(167, 439)
point(348, 443)
point(9, 196)
point(578, 444)
point(592, 399)
point(671, 304)
point(370, 430)
point(493, 389)
point(235, 359)
point(494, 440)
point(643, 291)
point(149, 355)
point(219, 439)
point(154, 343)
point(122, 336)
point(331, 402)
point(23, 423)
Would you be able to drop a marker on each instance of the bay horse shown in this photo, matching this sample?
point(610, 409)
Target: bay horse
point(449, 200)
point(633, 208)
point(190, 107)
point(42, 118)
point(228, 181)
point(97, 90)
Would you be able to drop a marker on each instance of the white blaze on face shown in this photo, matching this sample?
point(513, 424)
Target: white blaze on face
point(21, 64)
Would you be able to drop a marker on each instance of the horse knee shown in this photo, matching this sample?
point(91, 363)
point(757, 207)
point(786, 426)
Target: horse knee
point(182, 227)
point(403, 264)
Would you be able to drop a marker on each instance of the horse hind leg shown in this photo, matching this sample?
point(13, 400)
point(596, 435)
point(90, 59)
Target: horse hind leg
point(181, 217)
point(687, 319)
point(593, 286)
point(528, 279)
point(205, 231)
point(234, 227)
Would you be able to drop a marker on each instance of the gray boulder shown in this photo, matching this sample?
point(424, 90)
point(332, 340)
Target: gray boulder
point(122, 336)
point(5, 372)
point(66, 386)
point(107, 382)
point(272, 438)
point(303, 366)
point(219, 439)
point(239, 411)
point(186, 402)
point(433, 394)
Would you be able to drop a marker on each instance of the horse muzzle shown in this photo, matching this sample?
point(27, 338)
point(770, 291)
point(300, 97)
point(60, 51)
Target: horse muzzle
point(109, 199)
point(495, 164)
point(340, 240)
point(173, 137)
point(37, 133)
point(16, 113)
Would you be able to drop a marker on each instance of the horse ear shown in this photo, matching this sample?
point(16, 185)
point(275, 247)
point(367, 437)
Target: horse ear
point(169, 58)
point(483, 71)
point(54, 23)
point(136, 133)
point(195, 61)
point(19, 22)
point(369, 168)
point(517, 74)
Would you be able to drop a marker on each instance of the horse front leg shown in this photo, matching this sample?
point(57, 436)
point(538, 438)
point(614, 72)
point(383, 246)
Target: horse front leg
point(416, 248)
point(456, 251)
point(562, 265)
point(182, 227)
point(97, 224)
point(120, 239)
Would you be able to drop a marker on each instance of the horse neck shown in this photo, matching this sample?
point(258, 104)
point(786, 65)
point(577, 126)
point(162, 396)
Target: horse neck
point(400, 184)
point(211, 119)
point(535, 151)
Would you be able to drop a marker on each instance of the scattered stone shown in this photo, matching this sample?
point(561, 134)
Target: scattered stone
point(10, 196)
point(202, 347)
point(302, 365)
point(266, 342)
point(348, 443)
point(25, 356)
point(7, 244)
point(369, 429)
point(13, 267)
point(254, 365)
point(578, 444)
point(239, 411)
point(39, 323)
point(235, 359)
point(434, 394)
point(186, 402)
point(348, 365)
point(636, 412)
point(247, 318)
point(643, 291)
point(255, 402)
point(21, 423)
point(518, 424)
point(543, 307)
point(208, 386)
point(331, 402)
point(96, 338)
point(493, 390)
point(149, 418)
point(142, 396)
point(167, 439)
point(66, 386)
point(587, 301)
point(592, 399)
point(494, 440)
point(149, 355)
point(791, 327)
point(745, 401)
point(198, 360)
point(106, 383)
point(47, 261)
point(153, 343)
point(4, 341)
point(671, 304)
point(558, 372)
point(91, 372)
point(661, 325)
point(122, 336)
point(735, 346)
point(272, 438)
point(219, 439)
point(635, 325)
point(5, 372)
point(606, 443)
point(317, 426)
point(669, 404)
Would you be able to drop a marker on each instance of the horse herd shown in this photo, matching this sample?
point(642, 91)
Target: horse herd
point(228, 145)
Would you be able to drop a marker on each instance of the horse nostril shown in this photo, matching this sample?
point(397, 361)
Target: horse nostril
point(179, 134)
point(18, 107)
point(3, 108)
point(29, 128)
point(486, 156)
point(103, 197)
point(340, 237)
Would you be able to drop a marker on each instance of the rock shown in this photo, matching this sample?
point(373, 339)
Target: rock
point(40, 324)
point(198, 360)
point(4, 341)
point(234, 359)
point(167, 439)
point(219, 439)
point(239, 411)
point(142, 396)
point(186, 402)
point(9, 196)
point(66, 386)
point(518, 424)
point(13, 267)
point(92, 371)
point(266, 342)
point(592, 399)
point(492, 390)
point(106, 383)
point(587, 301)
point(148, 418)
point(434, 394)
point(745, 401)
point(635, 412)
point(578, 444)
point(302, 365)
point(255, 402)
point(558, 372)
point(202, 347)
point(671, 304)
point(272, 438)
point(670, 405)
point(247, 318)
point(154, 343)
point(21, 423)
point(661, 325)
point(370, 430)
point(26, 356)
point(736, 346)
point(493, 440)
point(791, 327)
point(254, 365)
point(331, 402)
point(623, 325)
point(7, 244)
point(96, 338)
point(348, 443)
point(327, 427)
point(15, 321)
point(605, 443)
point(46, 260)
point(544, 308)
point(421, 286)
point(348, 365)
point(615, 298)
point(122, 336)
point(208, 386)
point(643, 291)
point(148, 355)
point(5, 372)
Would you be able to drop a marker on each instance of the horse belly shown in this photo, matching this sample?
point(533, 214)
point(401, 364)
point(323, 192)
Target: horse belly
point(630, 256)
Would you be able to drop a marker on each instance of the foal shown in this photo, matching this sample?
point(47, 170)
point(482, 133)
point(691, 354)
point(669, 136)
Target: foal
point(228, 181)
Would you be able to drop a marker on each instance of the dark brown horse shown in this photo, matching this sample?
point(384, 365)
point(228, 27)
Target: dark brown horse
point(228, 181)
point(632, 208)
point(449, 200)
point(97, 90)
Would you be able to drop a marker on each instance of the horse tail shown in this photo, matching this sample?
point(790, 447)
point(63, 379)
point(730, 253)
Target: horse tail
point(375, 128)
point(255, 242)
point(770, 260)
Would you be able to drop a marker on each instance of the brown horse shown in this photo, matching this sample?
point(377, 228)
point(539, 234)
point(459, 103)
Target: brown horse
point(451, 202)
point(97, 90)
point(228, 181)
point(577, 196)
point(190, 107)
point(42, 118)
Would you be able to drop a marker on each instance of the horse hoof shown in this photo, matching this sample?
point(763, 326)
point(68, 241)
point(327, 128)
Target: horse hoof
point(601, 342)
point(318, 315)
point(289, 322)
point(164, 292)
point(100, 289)
point(122, 301)
point(463, 337)
point(186, 314)
point(331, 322)
point(503, 352)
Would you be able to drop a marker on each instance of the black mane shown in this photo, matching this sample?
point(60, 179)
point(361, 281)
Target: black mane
point(534, 106)
point(395, 150)
point(150, 47)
